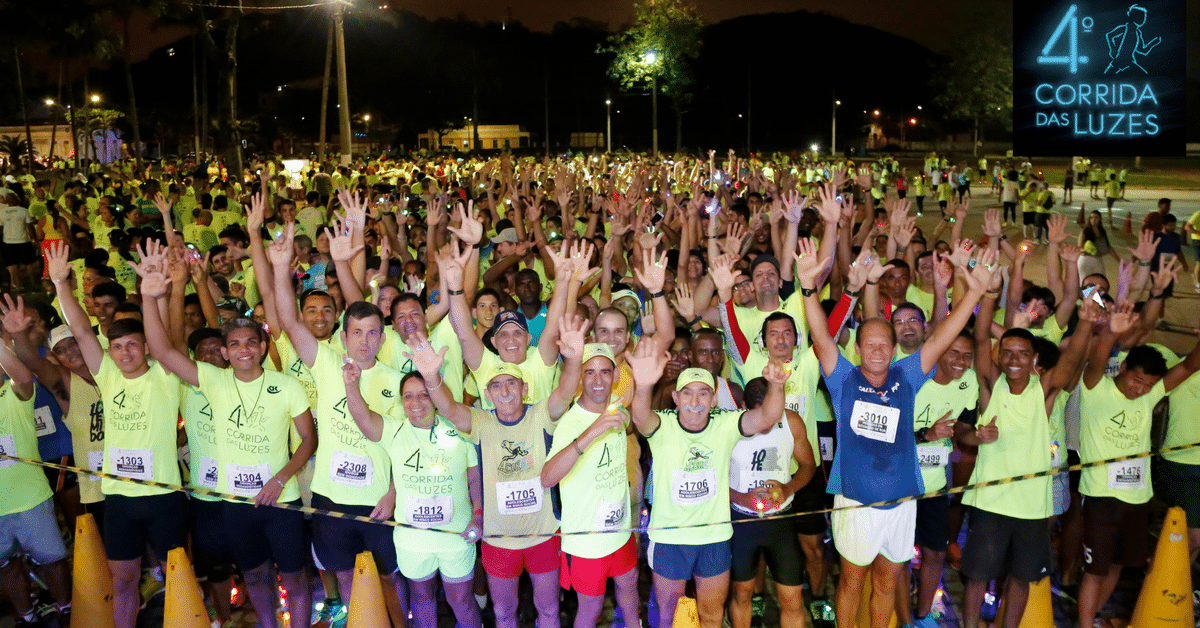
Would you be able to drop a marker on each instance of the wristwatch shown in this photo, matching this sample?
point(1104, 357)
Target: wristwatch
point(921, 435)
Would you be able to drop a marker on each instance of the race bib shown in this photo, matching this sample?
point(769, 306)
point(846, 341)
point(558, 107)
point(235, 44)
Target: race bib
point(133, 463)
point(8, 447)
point(208, 472)
point(428, 512)
point(247, 481)
point(610, 516)
point(96, 462)
point(873, 421)
point(826, 445)
point(351, 470)
point(43, 422)
point(689, 489)
point(1129, 475)
point(521, 497)
point(796, 403)
point(933, 456)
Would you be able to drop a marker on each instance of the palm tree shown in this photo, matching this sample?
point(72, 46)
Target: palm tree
point(124, 9)
point(15, 147)
point(83, 39)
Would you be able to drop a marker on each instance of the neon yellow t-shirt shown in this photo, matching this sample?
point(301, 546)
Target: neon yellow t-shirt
point(595, 492)
point(255, 419)
point(691, 478)
point(1021, 448)
point(429, 466)
point(25, 486)
point(1112, 425)
point(140, 417)
point(933, 401)
point(350, 469)
point(203, 468)
point(1182, 426)
point(393, 349)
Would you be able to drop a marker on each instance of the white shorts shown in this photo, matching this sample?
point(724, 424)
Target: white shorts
point(861, 534)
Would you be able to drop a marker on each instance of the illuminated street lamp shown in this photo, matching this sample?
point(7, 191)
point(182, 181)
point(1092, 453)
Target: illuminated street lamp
point(608, 129)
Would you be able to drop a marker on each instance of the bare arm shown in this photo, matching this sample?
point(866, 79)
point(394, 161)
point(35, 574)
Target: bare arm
point(302, 340)
point(369, 421)
point(77, 319)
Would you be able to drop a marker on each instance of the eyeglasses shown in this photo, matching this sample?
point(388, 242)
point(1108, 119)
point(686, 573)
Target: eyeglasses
point(743, 285)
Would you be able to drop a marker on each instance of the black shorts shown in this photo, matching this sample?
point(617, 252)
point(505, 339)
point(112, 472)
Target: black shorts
point(1072, 460)
point(809, 499)
point(933, 526)
point(1178, 484)
point(59, 479)
point(16, 254)
point(901, 193)
point(943, 204)
point(1029, 218)
point(257, 535)
point(1069, 184)
point(1114, 533)
point(998, 545)
point(209, 543)
point(338, 542)
point(96, 510)
point(131, 522)
point(775, 539)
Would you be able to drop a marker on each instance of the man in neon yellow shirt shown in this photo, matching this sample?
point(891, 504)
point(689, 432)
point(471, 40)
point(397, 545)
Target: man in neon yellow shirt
point(141, 405)
point(691, 450)
point(252, 456)
point(1115, 420)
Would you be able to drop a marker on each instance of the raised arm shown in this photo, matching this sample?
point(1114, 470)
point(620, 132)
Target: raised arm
point(77, 319)
point(1119, 321)
point(985, 369)
point(1064, 371)
point(22, 379)
point(369, 421)
point(771, 410)
point(155, 286)
point(280, 254)
point(808, 269)
point(571, 338)
point(429, 363)
point(564, 277)
point(460, 312)
point(49, 374)
point(977, 280)
point(647, 364)
point(652, 275)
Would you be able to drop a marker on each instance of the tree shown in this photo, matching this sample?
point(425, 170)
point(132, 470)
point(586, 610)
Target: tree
point(15, 147)
point(974, 81)
point(655, 52)
point(124, 10)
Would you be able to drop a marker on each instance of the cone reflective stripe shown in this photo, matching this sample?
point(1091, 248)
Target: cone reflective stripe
point(92, 595)
point(686, 614)
point(1166, 597)
point(366, 596)
point(184, 608)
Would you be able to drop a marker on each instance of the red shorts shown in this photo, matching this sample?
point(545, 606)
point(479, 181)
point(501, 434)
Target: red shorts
point(505, 563)
point(589, 576)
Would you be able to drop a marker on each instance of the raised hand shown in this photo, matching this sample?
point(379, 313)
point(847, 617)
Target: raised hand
point(962, 253)
point(774, 372)
point(646, 363)
point(1121, 320)
point(830, 207)
point(581, 255)
point(572, 336)
point(943, 270)
point(564, 266)
point(1091, 311)
point(722, 272)
point(960, 210)
point(683, 303)
point(281, 251)
point(154, 283)
point(733, 238)
point(454, 265)
point(16, 321)
point(904, 228)
point(980, 277)
point(808, 264)
point(57, 265)
point(198, 267)
point(991, 223)
point(1069, 253)
point(653, 274)
point(351, 372)
point(426, 360)
point(1164, 277)
point(341, 243)
point(471, 229)
point(355, 210)
point(153, 258)
point(1058, 228)
point(1145, 247)
point(256, 212)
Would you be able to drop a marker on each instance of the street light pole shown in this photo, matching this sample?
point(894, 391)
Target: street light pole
point(833, 121)
point(367, 132)
point(608, 127)
point(654, 114)
point(343, 92)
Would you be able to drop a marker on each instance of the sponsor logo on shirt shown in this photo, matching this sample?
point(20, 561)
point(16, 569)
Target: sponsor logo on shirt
point(697, 459)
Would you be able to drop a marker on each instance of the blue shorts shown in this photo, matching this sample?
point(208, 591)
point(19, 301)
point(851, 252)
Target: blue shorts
point(682, 562)
point(32, 532)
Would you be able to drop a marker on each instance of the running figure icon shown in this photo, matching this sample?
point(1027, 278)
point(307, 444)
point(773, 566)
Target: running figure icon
point(1126, 42)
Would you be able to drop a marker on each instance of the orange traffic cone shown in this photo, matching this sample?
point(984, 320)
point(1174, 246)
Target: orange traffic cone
point(1166, 597)
point(92, 595)
point(366, 597)
point(864, 606)
point(686, 614)
point(184, 607)
point(1128, 228)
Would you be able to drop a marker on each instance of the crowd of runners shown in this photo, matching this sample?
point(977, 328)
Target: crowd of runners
point(578, 367)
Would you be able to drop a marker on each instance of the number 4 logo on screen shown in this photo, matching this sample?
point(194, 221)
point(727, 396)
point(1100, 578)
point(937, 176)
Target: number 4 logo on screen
point(1070, 23)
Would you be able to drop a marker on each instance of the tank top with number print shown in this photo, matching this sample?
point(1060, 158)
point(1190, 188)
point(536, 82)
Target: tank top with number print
point(760, 458)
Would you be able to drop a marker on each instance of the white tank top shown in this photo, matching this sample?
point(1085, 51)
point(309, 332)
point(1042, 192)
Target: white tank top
point(759, 458)
point(725, 395)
